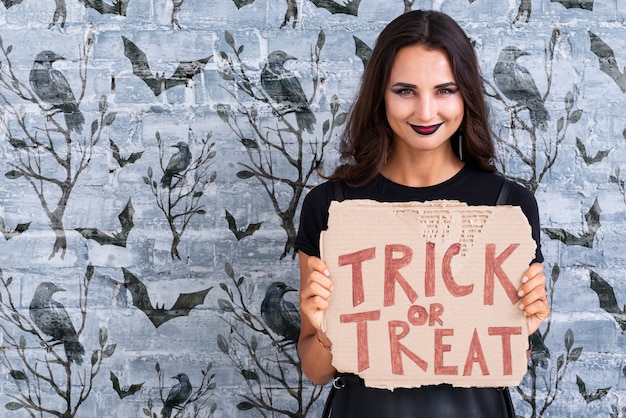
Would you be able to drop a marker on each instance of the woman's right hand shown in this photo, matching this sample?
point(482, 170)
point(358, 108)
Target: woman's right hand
point(315, 291)
point(313, 345)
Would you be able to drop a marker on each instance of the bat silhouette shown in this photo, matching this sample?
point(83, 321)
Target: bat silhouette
point(590, 397)
point(600, 155)
point(608, 63)
point(121, 160)
point(592, 217)
point(159, 315)
point(576, 4)
point(118, 7)
point(11, 3)
point(122, 393)
point(8, 233)
point(350, 7)
point(241, 233)
point(117, 238)
point(362, 50)
point(607, 299)
point(241, 3)
point(185, 71)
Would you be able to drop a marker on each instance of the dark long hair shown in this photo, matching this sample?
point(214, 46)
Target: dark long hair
point(367, 137)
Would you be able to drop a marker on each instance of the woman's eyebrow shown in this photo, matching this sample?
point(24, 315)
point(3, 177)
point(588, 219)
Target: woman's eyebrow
point(444, 85)
point(405, 85)
point(412, 86)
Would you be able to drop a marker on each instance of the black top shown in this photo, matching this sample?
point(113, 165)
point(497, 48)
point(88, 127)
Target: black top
point(471, 186)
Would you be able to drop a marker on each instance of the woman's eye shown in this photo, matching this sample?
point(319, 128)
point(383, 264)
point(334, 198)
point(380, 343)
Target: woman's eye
point(447, 91)
point(404, 92)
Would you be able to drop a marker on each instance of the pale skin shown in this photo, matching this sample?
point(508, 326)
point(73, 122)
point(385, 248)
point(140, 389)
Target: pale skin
point(424, 109)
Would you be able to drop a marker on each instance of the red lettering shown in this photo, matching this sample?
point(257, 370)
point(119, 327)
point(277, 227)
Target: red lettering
point(392, 265)
point(493, 266)
point(429, 272)
point(355, 259)
point(417, 315)
point(363, 357)
point(397, 349)
point(475, 355)
point(440, 349)
point(436, 310)
point(446, 272)
point(506, 332)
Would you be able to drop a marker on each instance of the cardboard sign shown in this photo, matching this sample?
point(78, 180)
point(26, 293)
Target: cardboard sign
point(426, 293)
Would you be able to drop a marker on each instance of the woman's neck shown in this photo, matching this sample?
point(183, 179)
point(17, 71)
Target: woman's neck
point(422, 170)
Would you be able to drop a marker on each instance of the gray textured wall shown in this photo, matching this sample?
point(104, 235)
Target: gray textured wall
point(126, 269)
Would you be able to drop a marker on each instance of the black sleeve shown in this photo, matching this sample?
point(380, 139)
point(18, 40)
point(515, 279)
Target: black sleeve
point(313, 219)
point(520, 196)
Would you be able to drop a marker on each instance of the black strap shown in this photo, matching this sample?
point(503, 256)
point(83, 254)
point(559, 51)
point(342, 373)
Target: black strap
point(504, 193)
point(328, 406)
point(338, 190)
point(340, 381)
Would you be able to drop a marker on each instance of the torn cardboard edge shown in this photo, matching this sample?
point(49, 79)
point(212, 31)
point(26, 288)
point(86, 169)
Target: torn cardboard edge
point(425, 293)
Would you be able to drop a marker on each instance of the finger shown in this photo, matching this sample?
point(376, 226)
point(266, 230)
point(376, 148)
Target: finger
point(529, 284)
point(535, 295)
point(539, 309)
point(534, 321)
point(317, 303)
point(316, 289)
point(318, 283)
point(312, 306)
point(533, 270)
point(316, 264)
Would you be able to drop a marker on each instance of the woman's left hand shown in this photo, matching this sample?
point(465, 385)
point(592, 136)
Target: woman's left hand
point(534, 298)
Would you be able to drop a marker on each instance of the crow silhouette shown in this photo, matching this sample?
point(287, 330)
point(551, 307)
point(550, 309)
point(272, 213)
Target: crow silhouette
point(178, 394)
point(51, 87)
point(516, 83)
point(177, 164)
point(53, 320)
point(281, 316)
point(284, 88)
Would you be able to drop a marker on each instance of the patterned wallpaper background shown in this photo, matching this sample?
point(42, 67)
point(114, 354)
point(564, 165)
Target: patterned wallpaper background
point(155, 156)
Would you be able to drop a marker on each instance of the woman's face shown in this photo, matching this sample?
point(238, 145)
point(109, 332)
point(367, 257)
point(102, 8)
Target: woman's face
point(423, 103)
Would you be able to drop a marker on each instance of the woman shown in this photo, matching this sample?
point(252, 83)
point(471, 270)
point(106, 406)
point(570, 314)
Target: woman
point(418, 131)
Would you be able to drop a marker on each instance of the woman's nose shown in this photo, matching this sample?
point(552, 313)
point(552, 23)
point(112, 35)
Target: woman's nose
point(425, 108)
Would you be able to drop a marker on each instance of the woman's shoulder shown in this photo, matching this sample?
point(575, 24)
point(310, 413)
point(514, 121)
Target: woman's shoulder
point(323, 192)
point(520, 194)
point(497, 180)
